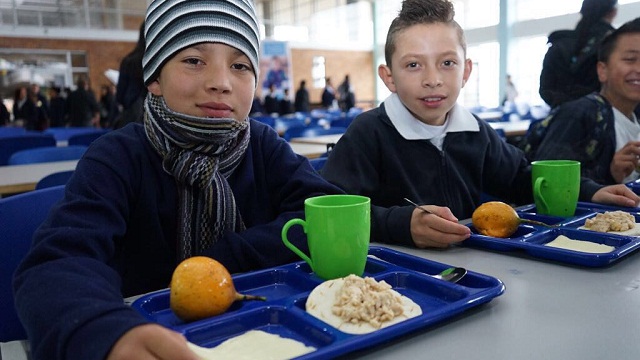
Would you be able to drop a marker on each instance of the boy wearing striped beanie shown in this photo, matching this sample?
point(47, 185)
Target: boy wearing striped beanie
point(198, 177)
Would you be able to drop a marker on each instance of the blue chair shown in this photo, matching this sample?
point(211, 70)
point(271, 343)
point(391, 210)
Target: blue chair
point(318, 163)
point(86, 138)
point(11, 131)
point(266, 119)
point(312, 131)
point(20, 216)
point(342, 121)
point(64, 133)
point(12, 144)
point(47, 154)
point(55, 179)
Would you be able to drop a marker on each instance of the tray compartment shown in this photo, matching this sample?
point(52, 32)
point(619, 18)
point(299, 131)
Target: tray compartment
point(621, 244)
point(277, 320)
point(275, 284)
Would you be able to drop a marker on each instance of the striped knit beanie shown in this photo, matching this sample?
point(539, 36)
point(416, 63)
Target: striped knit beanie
point(172, 25)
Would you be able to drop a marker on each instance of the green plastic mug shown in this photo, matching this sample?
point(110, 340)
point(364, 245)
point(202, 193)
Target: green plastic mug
point(556, 186)
point(338, 229)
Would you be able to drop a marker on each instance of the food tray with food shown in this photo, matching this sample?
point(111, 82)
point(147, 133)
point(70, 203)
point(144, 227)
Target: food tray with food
point(288, 287)
point(575, 244)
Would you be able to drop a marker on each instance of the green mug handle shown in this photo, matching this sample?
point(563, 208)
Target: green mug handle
point(537, 192)
point(285, 230)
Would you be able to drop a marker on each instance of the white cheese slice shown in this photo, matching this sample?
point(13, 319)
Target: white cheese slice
point(254, 344)
point(564, 242)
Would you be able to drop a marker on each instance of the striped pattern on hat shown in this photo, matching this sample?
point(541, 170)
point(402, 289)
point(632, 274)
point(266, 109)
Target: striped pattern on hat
point(172, 25)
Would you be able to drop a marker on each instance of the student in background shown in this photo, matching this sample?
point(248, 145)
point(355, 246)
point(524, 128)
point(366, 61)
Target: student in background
point(420, 144)
point(57, 106)
point(82, 107)
point(328, 95)
point(5, 117)
point(600, 129)
point(286, 107)
point(569, 67)
point(271, 103)
point(346, 95)
point(103, 243)
point(25, 112)
point(301, 102)
point(130, 91)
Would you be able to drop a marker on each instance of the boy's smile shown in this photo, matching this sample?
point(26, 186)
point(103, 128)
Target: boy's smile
point(620, 76)
point(207, 80)
point(428, 70)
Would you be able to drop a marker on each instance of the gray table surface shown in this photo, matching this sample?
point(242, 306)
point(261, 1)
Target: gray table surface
point(549, 310)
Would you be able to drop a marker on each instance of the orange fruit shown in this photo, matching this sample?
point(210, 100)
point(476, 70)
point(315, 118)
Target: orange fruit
point(496, 219)
point(202, 287)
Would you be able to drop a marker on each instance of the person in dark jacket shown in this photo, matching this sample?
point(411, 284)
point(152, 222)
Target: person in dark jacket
point(301, 102)
point(243, 183)
point(421, 145)
point(601, 129)
point(82, 107)
point(25, 112)
point(569, 67)
point(328, 94)
point(5, 116)
point(57, 107)
point(130, 90)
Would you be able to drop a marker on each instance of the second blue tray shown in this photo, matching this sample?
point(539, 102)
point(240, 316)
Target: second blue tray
point(532, 238)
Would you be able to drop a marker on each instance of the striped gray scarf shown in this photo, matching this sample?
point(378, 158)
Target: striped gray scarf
point(200, 153)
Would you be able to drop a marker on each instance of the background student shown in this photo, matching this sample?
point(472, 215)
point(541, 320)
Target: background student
point(569, 67)
point(422, 145)
point(196, 178)
point(600, 129)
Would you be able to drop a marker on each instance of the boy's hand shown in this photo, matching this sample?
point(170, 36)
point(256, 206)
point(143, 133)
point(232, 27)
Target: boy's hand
point(439, 229)
point(619, 195)
point(625, 161)
point(151, 341)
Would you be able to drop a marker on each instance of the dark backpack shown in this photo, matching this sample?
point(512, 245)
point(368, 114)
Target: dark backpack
point(538, 129)
point(566, 74)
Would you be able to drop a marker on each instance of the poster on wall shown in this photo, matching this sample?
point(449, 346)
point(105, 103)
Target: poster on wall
point(274, 67)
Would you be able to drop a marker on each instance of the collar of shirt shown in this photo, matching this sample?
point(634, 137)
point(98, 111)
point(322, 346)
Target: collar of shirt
point(458, 119)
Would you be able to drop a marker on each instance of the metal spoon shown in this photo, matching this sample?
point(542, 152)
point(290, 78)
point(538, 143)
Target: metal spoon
point(453, 274)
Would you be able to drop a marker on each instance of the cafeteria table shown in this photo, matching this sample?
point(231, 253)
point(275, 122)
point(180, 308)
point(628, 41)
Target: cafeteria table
point(322, 139)
point(548, 311)
point(512, 128)
point(20, 178)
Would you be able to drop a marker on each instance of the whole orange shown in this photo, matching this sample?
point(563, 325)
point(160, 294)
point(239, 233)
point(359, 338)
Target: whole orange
point(201, 287)
point(496, 219)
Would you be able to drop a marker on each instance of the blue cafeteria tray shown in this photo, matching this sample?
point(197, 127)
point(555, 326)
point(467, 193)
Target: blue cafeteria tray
point(532, 238)
point(287, 288)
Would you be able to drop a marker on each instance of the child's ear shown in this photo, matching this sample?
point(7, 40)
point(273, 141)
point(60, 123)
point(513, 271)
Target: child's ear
point(154, 88)
point(601, 68)
point(384, 72)
point(468, 65)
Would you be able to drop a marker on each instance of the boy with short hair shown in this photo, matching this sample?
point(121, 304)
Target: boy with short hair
point(601, 129)
point(419, 144)
point(196, 178)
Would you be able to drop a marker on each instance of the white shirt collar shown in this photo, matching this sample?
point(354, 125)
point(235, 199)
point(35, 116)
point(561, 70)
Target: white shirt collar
point(458, 119)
